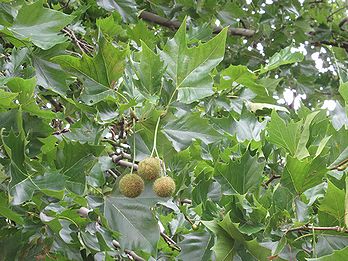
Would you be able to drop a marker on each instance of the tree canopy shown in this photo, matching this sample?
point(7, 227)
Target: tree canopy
point(243, 103)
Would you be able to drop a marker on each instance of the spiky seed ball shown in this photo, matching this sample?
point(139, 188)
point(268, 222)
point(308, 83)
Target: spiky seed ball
point(131, 185)
point(164, 187)
point(149, 168)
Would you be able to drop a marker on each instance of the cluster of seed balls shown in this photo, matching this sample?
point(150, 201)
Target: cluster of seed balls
point(132, 185)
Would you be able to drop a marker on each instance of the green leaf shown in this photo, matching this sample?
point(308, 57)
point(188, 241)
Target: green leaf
point(133, 218)
point(141, 33)
point(282, 134)
point(149, 71)
point(339, 255)
point(50, 75)
point(292, 136)
point(85, 131)
point(240, 176)
point(196, 246)
point(230, 240)
point(25, 88)
point(346, 204)
point(224, 247)
point(240, 74)
point(5, 211)
point(189, 68)
point(328, 243)
point(333, 203)
point(110, 27)
point(126, 8)
point(248, 127)
point(40, 25)
point(283, 57)
point(301, 151)
point(75, 160)
point(341, 158)
point(182, 131)
point(24, 185)
point(99, 74)
point(7, 99)
point(304, 174)
point(343, 90)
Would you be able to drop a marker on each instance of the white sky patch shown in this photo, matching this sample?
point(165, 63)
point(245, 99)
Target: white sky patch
point(217, 22)
point(288, 96)
point(315, 56)
point(108, 135)
point(245, 41)
point(248, 2)
point(250, 48)
point(281, 101)
point(48, 105)
point(269, 2)
point(259, 47)
point(297, 102)
point(301, 48)
point(330, 105)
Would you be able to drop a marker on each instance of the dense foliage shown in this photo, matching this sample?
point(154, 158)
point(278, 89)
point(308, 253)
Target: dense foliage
point(230, 95)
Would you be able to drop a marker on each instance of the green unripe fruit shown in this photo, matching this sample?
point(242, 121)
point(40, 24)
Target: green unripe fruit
point(164, 187)
point(149, 168)
point(131, 185)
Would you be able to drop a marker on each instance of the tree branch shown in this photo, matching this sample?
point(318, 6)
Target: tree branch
point(128, 252)
point(342, 23)
point(82, 45)
point(171, 243)
point(273, 177)
point(340, 166)
point(117, 159)
point(175, 24)
point(309, 228)
point(186, 201)
point(343, 45)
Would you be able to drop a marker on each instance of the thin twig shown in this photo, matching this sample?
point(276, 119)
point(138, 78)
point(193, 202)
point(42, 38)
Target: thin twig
point(171, 243)
point(112, 173)
point(337, 11)
point(273, 177)
point(339, 165)
point(343, 45)
point(342, 23)
point(127, 251)
point(65, 5)
point(82, 45)
point(117, 159)
point(186, 201)
point(58, 107)
point(310, 228)
point(175, 24)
